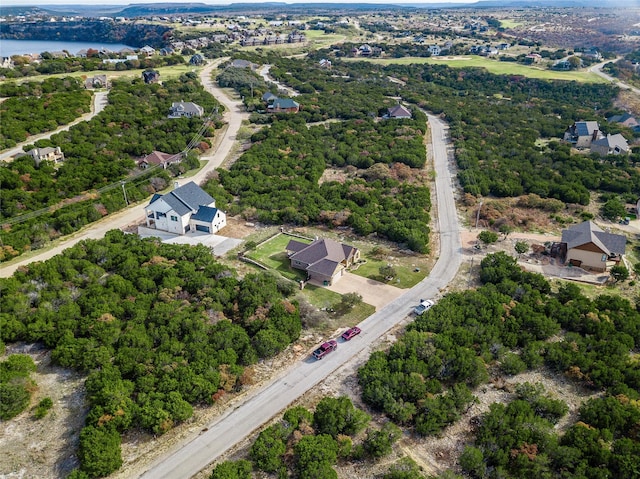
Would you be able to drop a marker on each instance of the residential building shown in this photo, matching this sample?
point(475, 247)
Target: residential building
point(186, 208)
point(98, 81)
point(185, 109)
point(324, 260)
point(582, 133)
point(151, 76)
point(610, 145)
point(44, 154)
point(147, 51)
point(626, 119)
point(434, 50)
point(196, 60)
point(159, 158)
point(587, 246)
point(283, 105)
point(399, 112)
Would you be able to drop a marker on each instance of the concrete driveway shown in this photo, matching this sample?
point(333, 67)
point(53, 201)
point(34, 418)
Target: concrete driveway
point(373, 292)
point(219, 245)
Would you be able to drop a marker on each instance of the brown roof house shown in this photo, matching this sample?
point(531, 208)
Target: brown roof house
point(587, 246)
point(159, 158)
point(324, 260)
point(399, 112)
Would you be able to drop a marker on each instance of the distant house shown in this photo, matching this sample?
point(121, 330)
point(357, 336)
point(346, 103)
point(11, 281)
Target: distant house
point(592, 54)
point(398, 112)
point(98, 81)
point(625, 119)
point(435, 50)
point(44, 154)
point(269, 97)
point(187, 208)
point(533, 58)
point(582, 133)
point(324, 63)
point(587, 246)
point(284, 105)
point(504, 46)
point(147, 51)
point(185, 109)
point(610, 145)
point(196, 60)
point(166, 51)
point(151, 76)
point(243, 64)
point(159, 158)
point(365, 50)
point(324, 260)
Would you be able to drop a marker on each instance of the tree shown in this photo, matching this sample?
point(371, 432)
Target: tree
point(388, 272)
point(232, 470)
point(379, 443)
point(99, 451)
point(335, 416)
point(349, 301)
point(472, 462)
point(619, 272)
point(521, 247)
point(14, 398)
point(488, 237)
point(613, 209)
point(268, 451)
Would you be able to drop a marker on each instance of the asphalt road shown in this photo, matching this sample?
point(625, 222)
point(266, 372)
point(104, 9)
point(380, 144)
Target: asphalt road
point(597, 69)
point(234, 115)
point(235, 424)
point(99, 102)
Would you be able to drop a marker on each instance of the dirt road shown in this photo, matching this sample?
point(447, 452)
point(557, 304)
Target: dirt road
point(234, 115)
point(237, 423)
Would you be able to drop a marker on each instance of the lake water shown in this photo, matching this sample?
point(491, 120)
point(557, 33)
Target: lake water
point(21, 47)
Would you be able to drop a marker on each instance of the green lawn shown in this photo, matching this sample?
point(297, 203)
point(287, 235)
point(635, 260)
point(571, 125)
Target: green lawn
point(508, 23)
point(272, 254)
point(406, 277)
point(494, 66)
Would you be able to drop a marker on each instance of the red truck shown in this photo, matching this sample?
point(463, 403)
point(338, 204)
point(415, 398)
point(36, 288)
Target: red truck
point(325, 348)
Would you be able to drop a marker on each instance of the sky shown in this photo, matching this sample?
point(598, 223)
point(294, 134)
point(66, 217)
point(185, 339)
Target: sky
point(210, 2)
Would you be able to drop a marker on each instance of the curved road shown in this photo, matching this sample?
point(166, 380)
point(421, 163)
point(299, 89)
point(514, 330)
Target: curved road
point(264, 73)
point(234, 115)
point(99, 102)
point(597, 69)
point(235, 424)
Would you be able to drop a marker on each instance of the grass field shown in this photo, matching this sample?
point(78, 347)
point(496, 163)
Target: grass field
point(406, 274)
point(495, 67)
point(508, 23)
point(272, 254)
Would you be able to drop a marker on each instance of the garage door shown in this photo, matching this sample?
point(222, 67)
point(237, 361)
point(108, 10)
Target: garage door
point(206, 229)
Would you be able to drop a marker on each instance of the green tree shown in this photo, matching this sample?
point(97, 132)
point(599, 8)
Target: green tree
point(388, 272)
point(99, 451)
point(613, 209)
point(472, 462)
point(43, 408)
point(488, 237)
point(349, 301)
point(619, 272)
point(521, 247)
point(232, 470)
point(336, 416)
point(14, 398)
point(379, 443)
point(268, 450)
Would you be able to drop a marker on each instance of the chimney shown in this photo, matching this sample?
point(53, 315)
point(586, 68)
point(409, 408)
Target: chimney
point(175, 185)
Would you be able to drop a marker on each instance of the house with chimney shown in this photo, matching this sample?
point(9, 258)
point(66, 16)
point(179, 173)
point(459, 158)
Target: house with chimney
point(324, 260)
point(587, 246)
point(582, 133)
point(185, 109)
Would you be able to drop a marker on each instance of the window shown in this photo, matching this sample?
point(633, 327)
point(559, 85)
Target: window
point(160, 215)
point(174, 218)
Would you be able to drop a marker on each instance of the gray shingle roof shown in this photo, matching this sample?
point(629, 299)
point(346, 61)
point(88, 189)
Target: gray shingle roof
point(587, 232)
point(205, 214)
point(322, 256)
point(399, 111)
point(184, 199)
point(296, 246)
point(283, 103)
point(611, 141)
point(586, 128)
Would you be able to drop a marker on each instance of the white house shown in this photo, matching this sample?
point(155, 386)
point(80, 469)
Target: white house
point(187, 208)
point(186, 109)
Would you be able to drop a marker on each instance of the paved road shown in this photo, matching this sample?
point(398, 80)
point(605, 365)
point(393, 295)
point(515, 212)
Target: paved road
point(597, 69)
point(235, 424)
point(264, 73)
point(99, 102)
point(234, 115)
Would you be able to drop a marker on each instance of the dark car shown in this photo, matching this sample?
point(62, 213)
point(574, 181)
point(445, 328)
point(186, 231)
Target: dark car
point(325, 349)
point(350, 333)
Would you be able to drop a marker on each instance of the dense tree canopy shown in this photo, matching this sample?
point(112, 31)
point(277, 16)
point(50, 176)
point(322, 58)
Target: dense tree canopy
point(156, 327)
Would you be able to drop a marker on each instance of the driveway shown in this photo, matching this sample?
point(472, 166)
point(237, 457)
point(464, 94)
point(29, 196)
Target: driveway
point(373, 292)
point(219, 245)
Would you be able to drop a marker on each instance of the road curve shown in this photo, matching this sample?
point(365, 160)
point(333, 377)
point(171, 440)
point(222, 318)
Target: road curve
point(234, 115)
point(235, 424)
point(597, 69)
point(99, 102)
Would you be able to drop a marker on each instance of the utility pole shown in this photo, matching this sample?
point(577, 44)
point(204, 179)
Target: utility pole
point(124, 192)
point(478, 214)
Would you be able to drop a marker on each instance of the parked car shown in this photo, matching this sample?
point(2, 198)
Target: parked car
point(325, 348)
point(350, 333)
point(425, 305)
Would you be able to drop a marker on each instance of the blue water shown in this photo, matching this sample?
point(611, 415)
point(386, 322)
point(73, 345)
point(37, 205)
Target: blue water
point(21, 47)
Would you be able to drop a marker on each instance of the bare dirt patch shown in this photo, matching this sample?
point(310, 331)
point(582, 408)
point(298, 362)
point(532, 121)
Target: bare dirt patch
point(44, 448)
